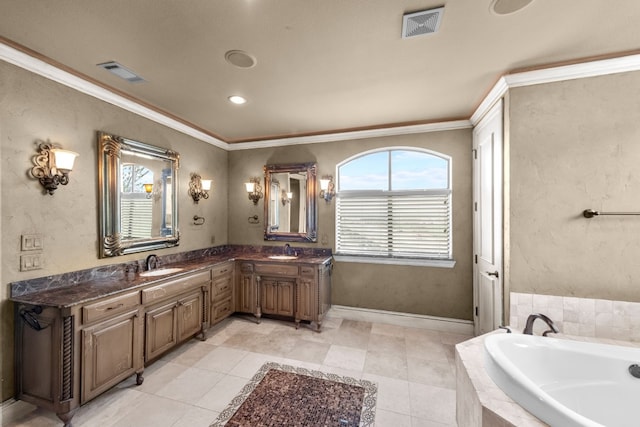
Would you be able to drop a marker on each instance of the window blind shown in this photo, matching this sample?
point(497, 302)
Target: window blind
point(416, 225)
point(136, 217)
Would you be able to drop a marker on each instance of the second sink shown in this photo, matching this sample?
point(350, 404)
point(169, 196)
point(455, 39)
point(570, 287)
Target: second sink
point(283, 257)
point(160, 272)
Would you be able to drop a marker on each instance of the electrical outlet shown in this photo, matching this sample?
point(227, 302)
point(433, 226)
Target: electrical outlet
point(32, 242)
point(31, 262)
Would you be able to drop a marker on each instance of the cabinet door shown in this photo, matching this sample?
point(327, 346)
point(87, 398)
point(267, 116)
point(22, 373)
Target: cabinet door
point(189, 315)
point(269, 296)
point(161, 331)
point(306, 300)
point(284, 298)
point(246, 293)
point(112, 350)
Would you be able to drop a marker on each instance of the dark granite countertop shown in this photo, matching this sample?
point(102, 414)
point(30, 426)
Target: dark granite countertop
point(116, 281)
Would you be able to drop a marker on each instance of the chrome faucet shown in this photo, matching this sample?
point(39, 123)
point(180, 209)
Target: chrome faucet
point(152, 262)
point(528, 329)
point(287, 249)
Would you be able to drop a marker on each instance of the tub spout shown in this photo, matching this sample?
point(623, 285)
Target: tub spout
point(528, 329)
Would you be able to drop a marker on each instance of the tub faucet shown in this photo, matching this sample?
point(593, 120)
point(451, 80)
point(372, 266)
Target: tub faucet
point(152, 262)
point(528, 329)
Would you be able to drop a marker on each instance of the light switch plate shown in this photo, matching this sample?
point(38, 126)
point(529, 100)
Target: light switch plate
point(30, 262)
point(32, 242)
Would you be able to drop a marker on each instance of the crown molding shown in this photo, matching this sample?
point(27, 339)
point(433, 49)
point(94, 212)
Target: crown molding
point(593, 68)
point(351, 135)
point(44, 69)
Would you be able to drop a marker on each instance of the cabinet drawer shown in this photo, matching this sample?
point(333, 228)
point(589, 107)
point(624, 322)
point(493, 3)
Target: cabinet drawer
point(306, 270)
point(222, 286)
point(278, 269)
point(221, 310)
point(223, 269)
point(110, 307)
point(246, 267)
point(175, 287)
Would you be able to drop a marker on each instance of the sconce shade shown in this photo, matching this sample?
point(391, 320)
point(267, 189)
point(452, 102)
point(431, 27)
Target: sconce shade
point(254, 190)
point(64, 159)
point(327, 188)
point(148, 188)
point(52, 166)
point(289, 194)
point(199, 188)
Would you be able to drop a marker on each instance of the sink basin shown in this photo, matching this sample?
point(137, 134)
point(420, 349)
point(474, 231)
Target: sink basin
point(160, 272)
point(283, 257)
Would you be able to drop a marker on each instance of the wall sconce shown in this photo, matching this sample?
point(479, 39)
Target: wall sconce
point(286, 197)
point(327, 188)
point(254, 189)
point(199, 188)
point(52, 166)
point(148, 188)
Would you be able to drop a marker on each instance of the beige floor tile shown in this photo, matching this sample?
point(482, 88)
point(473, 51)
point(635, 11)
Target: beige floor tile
point(393, 394)
point(36, 418)
point(188, 353)
point(386, 418)
point(251, 363)
point(308, 351)
point(346, 357)
point(351, 337)
point(432, 403)
point(388, 344)
point(108, 408)
point(190, 385)
point(152, 411)
point(221, 359)
point(386, 365)
point(219, 397)
point(389, 330)
point(417, 422)
point(155, 376)
point(437, 373)
point(197, 417)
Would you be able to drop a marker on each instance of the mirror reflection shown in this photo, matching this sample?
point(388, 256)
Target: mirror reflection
point(138, 196)
point(290, 207)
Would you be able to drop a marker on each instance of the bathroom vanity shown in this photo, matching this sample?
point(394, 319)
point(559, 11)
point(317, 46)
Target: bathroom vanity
point(75, 342)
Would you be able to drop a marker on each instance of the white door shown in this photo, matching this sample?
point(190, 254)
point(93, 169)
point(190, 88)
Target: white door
point(487, 221)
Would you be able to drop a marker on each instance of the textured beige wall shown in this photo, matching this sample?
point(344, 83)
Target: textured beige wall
point(576, 145)
point(421, 290)
point(32, 108)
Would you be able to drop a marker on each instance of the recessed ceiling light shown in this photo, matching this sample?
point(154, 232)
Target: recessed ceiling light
point(237, 99)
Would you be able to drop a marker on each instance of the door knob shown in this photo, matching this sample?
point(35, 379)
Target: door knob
point(494, 274)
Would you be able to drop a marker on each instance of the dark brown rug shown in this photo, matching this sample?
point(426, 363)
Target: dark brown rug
point(282, 395)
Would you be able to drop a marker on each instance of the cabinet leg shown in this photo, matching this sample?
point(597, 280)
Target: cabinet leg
point(139, 378)
point(66, 418)
point(297, 324)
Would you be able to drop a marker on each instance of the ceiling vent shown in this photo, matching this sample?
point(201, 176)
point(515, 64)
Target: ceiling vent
point(121, 72)
point(421, 23)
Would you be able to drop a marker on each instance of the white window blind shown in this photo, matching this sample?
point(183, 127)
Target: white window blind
point(136, 216)
point(414, 224)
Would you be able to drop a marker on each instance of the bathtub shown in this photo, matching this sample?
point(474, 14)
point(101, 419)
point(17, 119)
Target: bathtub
point(566, 383)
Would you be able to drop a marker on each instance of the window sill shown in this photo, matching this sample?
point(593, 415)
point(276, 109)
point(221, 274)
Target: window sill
point(442, 263)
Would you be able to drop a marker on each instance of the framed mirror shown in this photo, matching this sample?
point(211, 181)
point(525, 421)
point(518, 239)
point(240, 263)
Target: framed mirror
point(138, 196)
point(290, 208)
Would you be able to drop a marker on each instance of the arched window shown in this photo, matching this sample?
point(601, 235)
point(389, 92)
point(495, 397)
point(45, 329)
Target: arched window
point(394, 203)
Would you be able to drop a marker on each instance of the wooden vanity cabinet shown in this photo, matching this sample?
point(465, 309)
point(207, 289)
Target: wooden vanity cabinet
point(222, 292)
point(295, 290)
point(174, 312)
point(246, 292)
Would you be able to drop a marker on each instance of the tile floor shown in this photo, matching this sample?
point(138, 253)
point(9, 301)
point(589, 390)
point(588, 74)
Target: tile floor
point(414, 369)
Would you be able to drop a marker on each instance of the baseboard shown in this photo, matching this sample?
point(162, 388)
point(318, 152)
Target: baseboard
point(442, 324)
point(12, 410)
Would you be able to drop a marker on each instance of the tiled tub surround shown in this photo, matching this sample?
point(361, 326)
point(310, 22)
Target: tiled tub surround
point(480, 402)
point(618, 320)
point(81, 286)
